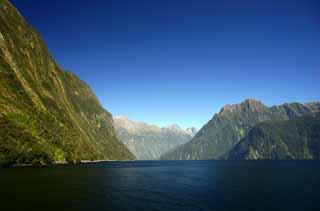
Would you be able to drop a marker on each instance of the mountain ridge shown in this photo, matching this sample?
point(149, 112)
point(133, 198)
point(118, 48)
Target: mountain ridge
point(231, 124)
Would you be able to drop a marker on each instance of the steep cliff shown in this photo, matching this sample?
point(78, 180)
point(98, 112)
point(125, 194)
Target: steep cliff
point(46, 114)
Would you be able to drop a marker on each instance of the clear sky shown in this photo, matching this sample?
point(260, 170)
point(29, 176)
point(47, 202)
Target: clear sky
point(180, 61)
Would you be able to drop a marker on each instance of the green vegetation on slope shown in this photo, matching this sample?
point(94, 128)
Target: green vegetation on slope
point(57, 114)
point(231, 124)
point(298, 138)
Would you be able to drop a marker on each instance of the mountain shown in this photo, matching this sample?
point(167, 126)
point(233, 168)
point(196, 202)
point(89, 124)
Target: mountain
point(149, 142)
point(298, 138)
point(231, 124)
point(46, 114)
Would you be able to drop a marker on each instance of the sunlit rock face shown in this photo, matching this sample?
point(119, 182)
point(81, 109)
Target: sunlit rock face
point(215, 139)
point(149, 142)
point(46, 114)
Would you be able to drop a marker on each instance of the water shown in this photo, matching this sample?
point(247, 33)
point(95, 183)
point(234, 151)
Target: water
point(162, 185)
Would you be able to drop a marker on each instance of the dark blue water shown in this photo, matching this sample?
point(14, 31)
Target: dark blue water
point(162, 185)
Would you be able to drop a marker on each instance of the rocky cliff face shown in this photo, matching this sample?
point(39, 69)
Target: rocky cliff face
point(298, 138)
point(149, 142)
point(46, 114)
point(231, 124)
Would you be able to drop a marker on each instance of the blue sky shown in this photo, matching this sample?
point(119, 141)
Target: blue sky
point(180, 61)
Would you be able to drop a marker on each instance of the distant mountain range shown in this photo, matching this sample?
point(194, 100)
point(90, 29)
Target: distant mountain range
point(234, 122)
point(149, 142)
point(47, 114)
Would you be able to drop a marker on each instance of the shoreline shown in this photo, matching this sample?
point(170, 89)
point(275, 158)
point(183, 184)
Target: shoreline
point(64, 163)
point(101, 161)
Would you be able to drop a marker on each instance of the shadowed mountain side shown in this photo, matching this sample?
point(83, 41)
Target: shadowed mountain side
point(298, 138)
